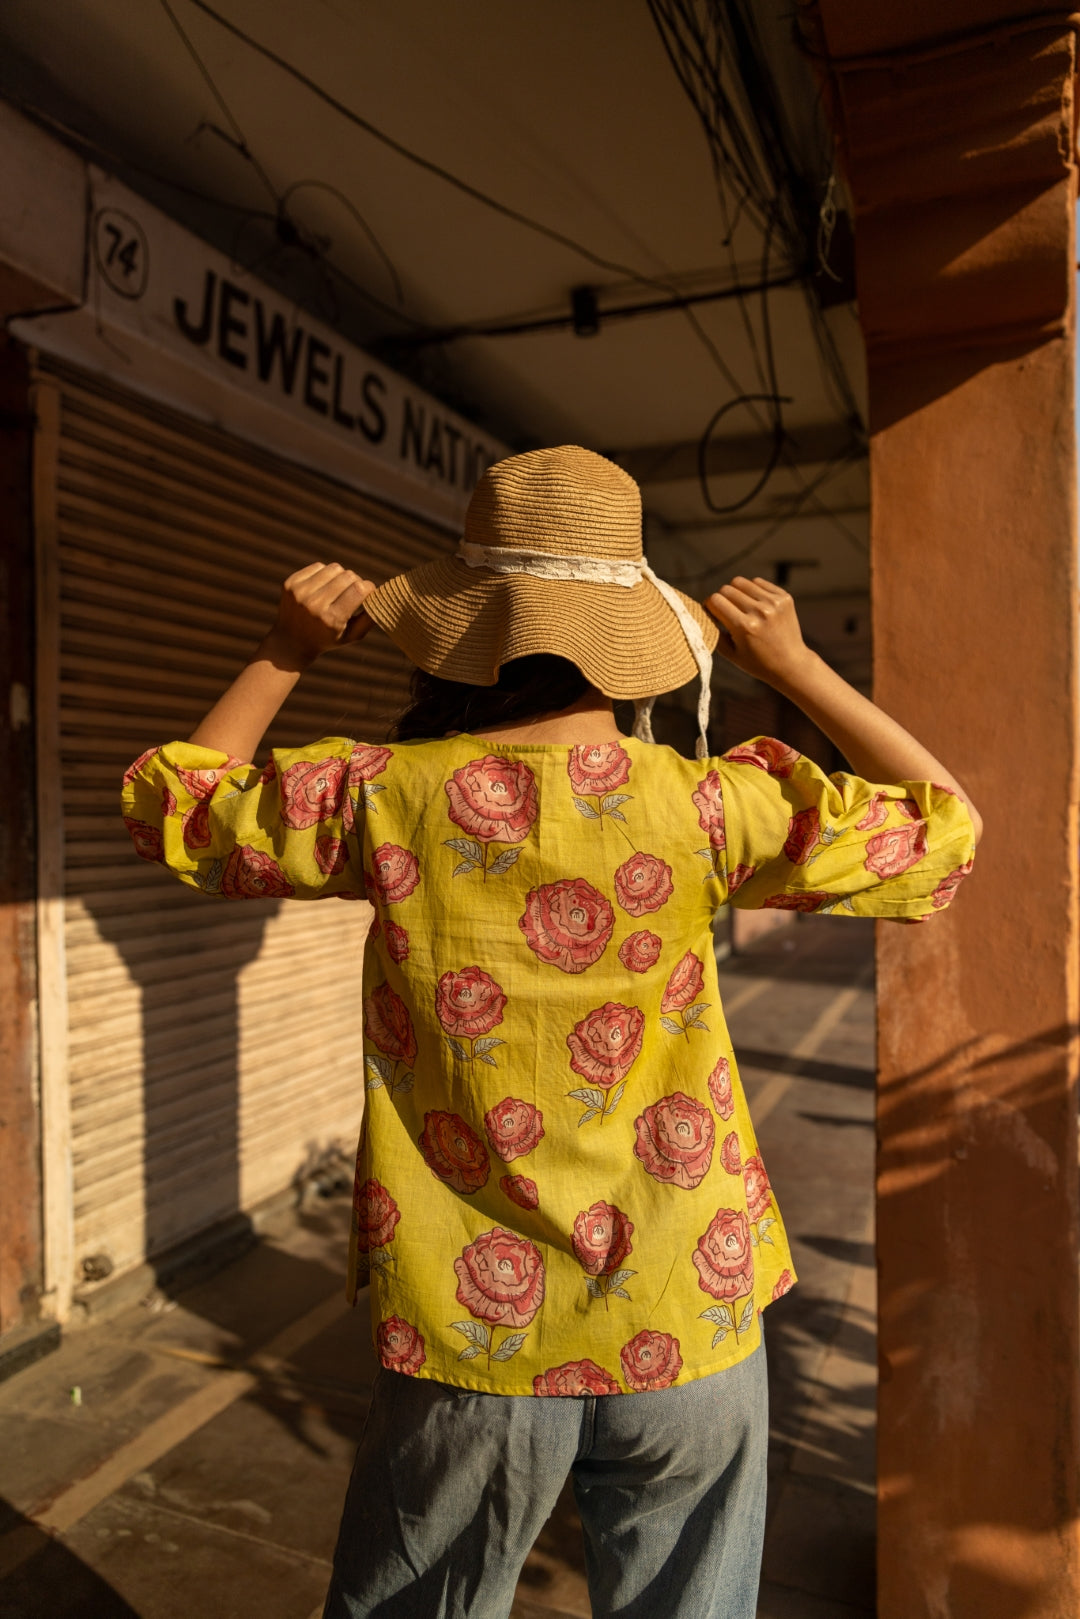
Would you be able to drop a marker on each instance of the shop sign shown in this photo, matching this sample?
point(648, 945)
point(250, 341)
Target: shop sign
point(152, 285)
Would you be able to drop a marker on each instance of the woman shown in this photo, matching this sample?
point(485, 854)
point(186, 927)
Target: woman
point(559, 1197)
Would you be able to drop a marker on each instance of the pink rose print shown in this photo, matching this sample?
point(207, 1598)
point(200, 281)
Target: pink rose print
point(567, 924)
point(493, 799)
point(133, 769)
point(331, 856)
point(798, 902)
point(724, 1256)
point(312, 791)
point(784, 1284)
point(195, 826)
point(267, 773)
point(684, 985)
point(501, 1279)
point(720, 1089)
point(909, 809)
point(376, 1216)
point(601, 1239)
point(675, 1140)
point(758, 1190)
point(469, 1002)
point(896, 850)
point(397, 942)
point(730, 1156)
point(737, 876)
point(366, 762)
point(677, 1015)
point(400, 1346)
point(877, 813)
point(605, 1044)
point(388, 1025)
point(640, 951)
point(168, 802)
point(252, 874)
point(709, 802)
point(945, 892)
point(575, 1377)
point(651, 1361)
point(148, 840)
point(643, 883)
point(454, 1153)
point(514, 1128)
point(396, 873)
point(804, 834)
point(520, 1190)
point(767, 753)
point(598, 767)
point(202, 784)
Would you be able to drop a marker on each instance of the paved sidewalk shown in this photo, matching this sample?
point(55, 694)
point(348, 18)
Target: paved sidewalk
point(190, 1456)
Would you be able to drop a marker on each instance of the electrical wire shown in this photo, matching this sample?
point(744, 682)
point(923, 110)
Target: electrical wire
point(238, 134)
point(516, 215)
point(806, 495)
point(289, 233)
point(696, 50)
point(118, 162)
point(698, 63)
point(770, 465)
point(346, 203)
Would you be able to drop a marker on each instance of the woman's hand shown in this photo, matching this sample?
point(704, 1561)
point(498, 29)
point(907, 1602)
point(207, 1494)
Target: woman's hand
point(760, 634)
point(760, 631)
point(320, 607)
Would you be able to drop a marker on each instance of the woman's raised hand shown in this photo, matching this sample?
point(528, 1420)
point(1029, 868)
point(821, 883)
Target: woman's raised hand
point(760, 630)
point(320, 607)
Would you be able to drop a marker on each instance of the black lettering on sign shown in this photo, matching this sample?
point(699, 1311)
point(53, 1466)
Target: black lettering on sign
point(473, 465)
point(452, 436)
point(229, 325)
point(434, 449)
point(412, 430)
point(315, 376)
point(197, 331)
point(341, 416)
point(373, 429)
point(272, 344)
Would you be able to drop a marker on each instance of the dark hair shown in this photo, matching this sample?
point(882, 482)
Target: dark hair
point(527, 688)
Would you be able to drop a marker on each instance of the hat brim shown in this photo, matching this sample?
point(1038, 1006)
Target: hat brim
point(464, 624)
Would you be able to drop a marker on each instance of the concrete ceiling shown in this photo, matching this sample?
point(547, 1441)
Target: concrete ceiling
point(569, 115)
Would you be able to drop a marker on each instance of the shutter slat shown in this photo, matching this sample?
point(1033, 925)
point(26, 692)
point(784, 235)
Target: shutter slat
point(205, 1040)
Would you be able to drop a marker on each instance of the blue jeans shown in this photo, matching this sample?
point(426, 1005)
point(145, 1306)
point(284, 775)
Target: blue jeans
point(450, 1490)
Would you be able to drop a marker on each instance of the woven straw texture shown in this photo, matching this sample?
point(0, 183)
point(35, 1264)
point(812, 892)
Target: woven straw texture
point(464, 623)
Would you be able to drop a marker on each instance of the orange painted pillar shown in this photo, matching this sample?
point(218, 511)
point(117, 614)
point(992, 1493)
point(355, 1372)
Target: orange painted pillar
point(959, 152)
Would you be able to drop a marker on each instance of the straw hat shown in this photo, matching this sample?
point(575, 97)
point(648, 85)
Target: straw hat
point(550, 561)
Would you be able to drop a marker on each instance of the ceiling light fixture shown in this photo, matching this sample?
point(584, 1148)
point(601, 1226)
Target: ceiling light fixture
point(586, 316)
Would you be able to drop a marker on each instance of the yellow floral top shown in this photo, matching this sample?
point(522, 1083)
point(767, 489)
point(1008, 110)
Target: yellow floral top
point(558, 1188)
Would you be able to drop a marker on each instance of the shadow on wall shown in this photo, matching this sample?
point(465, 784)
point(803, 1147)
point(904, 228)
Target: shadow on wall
point(184, 956)
point(957, 1136)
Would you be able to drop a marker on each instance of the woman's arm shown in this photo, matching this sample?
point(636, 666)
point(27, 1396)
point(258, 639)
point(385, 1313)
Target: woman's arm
point(319, 608)
point(761, 636)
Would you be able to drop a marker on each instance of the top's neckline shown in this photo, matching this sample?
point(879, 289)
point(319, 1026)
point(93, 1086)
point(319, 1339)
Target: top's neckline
point(533, 747)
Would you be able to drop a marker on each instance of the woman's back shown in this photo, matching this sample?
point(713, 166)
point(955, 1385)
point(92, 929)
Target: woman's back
point(556, 1162)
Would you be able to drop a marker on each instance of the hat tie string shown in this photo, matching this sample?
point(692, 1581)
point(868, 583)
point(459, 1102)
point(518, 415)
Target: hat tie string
point(605, 571)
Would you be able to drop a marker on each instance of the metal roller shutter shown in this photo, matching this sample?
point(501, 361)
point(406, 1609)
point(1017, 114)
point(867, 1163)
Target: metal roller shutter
point(211, 1049)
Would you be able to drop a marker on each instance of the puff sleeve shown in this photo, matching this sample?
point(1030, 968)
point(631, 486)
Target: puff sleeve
point(293, 830)
point(799, 840)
